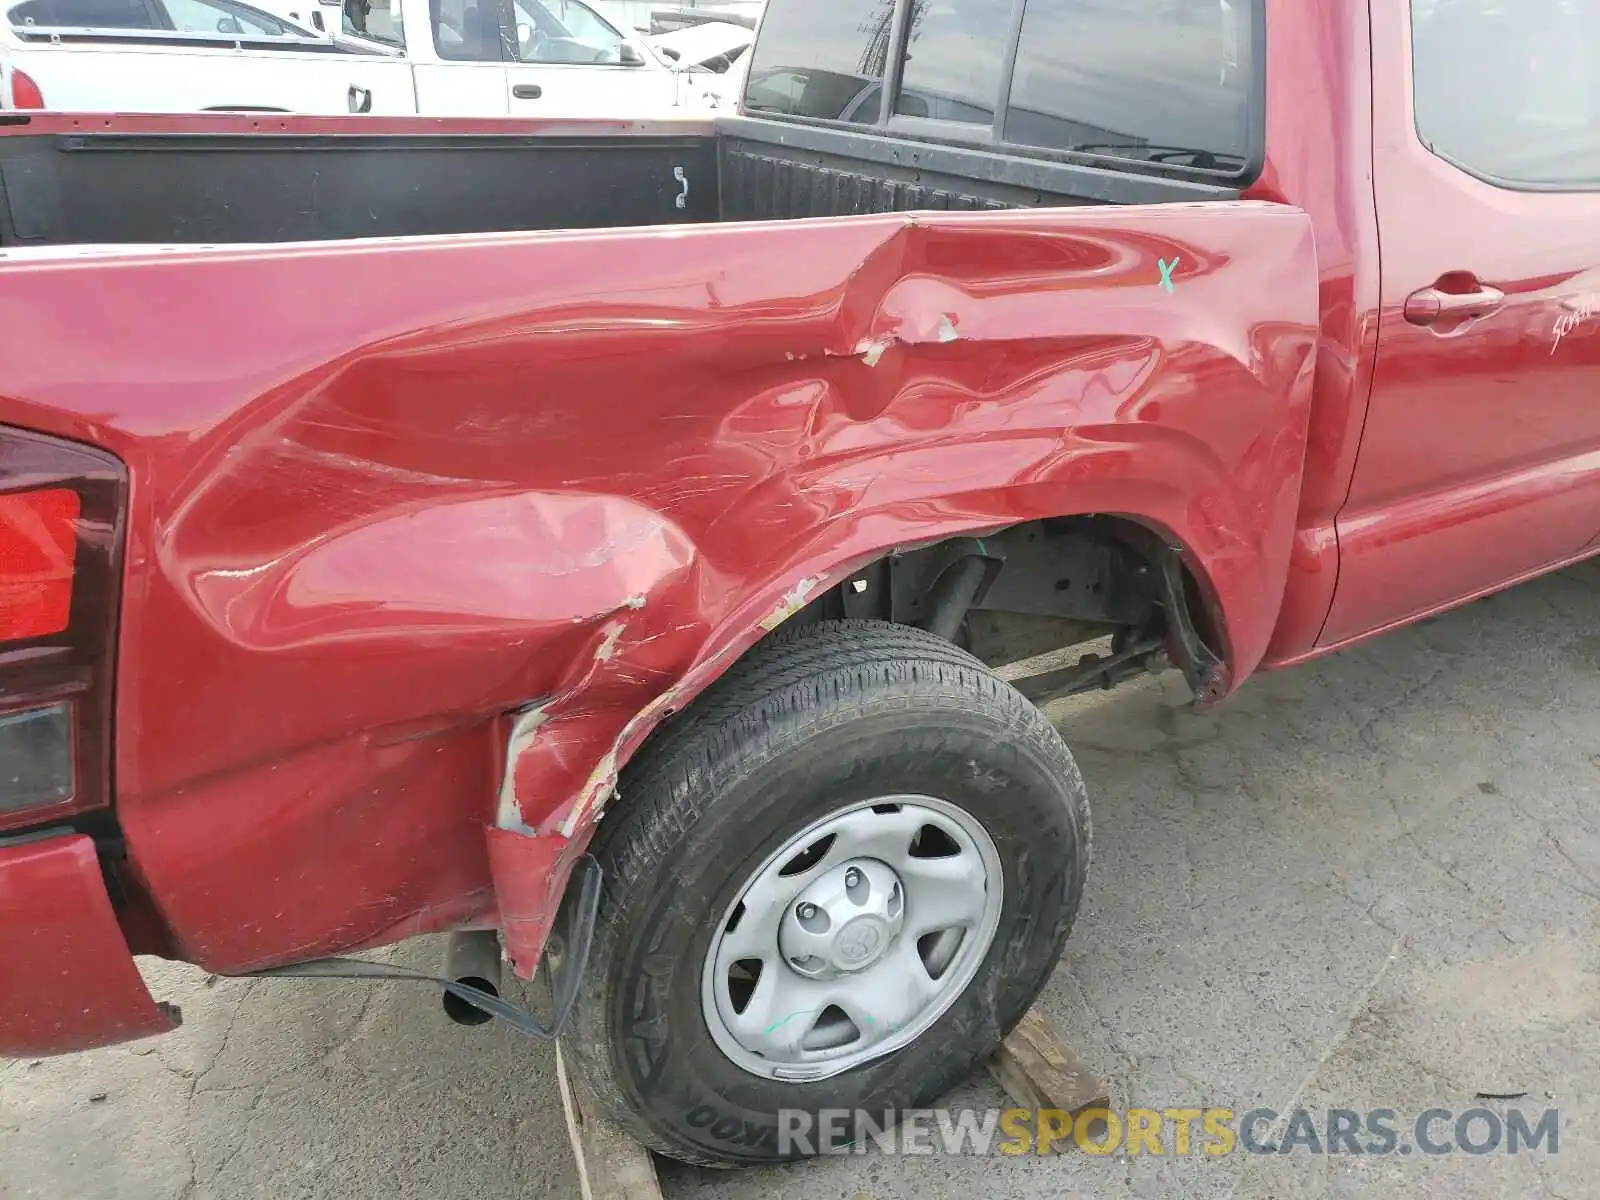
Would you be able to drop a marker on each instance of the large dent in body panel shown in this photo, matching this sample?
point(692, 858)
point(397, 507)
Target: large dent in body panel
point(1114, 383)
point(519, 561)
point(471, 483)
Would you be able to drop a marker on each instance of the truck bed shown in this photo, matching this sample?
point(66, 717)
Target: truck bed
point(206, 179)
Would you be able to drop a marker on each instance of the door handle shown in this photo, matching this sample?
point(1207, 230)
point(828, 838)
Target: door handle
point(359, 99)
point(527, 91)
point(1430, 305)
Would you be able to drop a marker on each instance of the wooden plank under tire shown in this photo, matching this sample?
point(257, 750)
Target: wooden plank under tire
point(1033, 1065)
point(611, 1165)
point(1038, 1071)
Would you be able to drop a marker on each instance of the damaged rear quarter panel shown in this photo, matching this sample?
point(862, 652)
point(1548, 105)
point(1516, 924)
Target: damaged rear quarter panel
point(388, 492)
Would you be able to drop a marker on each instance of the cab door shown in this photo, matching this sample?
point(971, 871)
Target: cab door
point(229, 56)
point(458, 56)
point(1480, 458)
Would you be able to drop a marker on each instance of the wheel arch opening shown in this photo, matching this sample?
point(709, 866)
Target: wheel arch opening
point(1023, 598)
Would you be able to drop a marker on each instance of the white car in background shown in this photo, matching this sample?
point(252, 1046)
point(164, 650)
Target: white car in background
point(710, 54)
point(556, 58)
point(664, 19)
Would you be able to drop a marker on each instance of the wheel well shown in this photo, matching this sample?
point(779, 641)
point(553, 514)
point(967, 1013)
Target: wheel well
point(1018, 596)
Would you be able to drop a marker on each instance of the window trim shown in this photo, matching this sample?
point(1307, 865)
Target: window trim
point(1008, 69)
point(893, 68)
point(940, 129)
point(1498, 182)
point(972, 136)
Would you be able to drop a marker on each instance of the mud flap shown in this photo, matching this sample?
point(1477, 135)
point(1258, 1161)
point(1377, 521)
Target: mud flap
point(575, 939)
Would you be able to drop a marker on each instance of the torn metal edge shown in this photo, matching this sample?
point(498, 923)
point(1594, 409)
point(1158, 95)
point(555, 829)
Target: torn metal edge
point(524, 728)
point(793, 601)
point(600, 787)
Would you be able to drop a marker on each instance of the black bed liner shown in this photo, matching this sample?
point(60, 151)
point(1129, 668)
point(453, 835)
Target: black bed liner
point(114, 186)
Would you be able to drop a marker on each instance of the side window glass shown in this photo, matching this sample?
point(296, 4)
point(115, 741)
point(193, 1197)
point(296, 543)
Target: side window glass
point(466, 30)
point(1168, 82)
point(955, 51)
point(563, 31)
point(34, 12)
point(84, 14)
point(1150, 80)
point(820, 58)
point(378, 22)
point(200, 16)
point(1510, 91)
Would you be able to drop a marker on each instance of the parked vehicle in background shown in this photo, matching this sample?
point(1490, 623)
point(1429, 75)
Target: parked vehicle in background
point(707, 53)
point(665, 19)
point(309, 14)
point(648, 16)
point(546, 58)
point(180, 16)
point(353, 590)
point(713, 46)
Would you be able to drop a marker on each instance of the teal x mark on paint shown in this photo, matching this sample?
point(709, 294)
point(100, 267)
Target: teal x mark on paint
point(1166, 271)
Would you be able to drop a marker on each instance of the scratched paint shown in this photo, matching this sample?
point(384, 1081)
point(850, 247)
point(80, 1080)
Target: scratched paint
point(525, 726)
point(872, 350)
point(1580, 309)
point(464, 487)
point(793, 601)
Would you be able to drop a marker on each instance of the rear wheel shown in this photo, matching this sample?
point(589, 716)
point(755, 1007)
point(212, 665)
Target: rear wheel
point(834, 884)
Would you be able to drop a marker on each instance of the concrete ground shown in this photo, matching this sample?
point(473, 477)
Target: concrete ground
point(1373, 882)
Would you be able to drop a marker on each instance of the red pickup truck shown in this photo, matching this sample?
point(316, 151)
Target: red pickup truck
point(617, 582)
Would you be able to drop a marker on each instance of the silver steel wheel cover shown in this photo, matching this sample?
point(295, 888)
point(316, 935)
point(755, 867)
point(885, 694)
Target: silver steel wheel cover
point(852, 938)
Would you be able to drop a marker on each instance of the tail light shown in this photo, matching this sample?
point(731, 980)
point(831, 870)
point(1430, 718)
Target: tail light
point(25, 92)
point(62, 508)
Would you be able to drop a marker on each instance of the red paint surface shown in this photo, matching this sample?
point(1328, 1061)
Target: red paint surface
point(463, 481)
point(68, 981)
point(584, 471)
point(1480, 457)
point(1319, 158)
point(530, 876)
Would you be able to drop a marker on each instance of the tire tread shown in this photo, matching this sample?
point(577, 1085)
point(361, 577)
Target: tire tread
point(793, 683)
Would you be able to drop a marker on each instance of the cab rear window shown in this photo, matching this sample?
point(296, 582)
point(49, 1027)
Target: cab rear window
point(822, 59)
point(1169, 83)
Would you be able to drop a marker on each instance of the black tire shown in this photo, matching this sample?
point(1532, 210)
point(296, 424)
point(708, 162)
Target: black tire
point(814, 718)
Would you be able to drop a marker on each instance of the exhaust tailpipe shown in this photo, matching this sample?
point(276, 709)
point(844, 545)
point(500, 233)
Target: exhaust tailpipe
point(474, 961)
